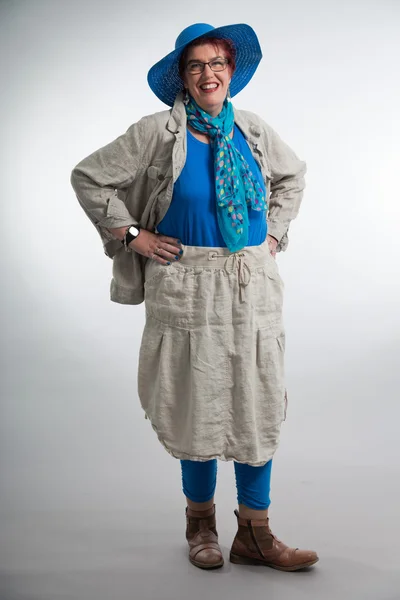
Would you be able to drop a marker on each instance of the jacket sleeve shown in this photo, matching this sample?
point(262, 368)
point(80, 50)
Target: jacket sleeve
point(99, 181)
point(287, 185)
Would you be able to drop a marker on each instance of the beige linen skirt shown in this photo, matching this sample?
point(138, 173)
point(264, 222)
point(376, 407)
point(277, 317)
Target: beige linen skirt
point(211, 361)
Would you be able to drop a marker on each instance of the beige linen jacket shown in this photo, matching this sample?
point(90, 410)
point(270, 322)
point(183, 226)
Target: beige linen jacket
point(131, 180)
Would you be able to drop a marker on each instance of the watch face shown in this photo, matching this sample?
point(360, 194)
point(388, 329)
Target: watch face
point(133, 230)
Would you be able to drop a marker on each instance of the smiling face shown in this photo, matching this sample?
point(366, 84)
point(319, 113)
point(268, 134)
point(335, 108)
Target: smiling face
point(209, 88)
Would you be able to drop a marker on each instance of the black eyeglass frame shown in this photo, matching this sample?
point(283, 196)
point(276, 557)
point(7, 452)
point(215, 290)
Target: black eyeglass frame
point(226, 62)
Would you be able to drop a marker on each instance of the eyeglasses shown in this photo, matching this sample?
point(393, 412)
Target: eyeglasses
point(218, 64)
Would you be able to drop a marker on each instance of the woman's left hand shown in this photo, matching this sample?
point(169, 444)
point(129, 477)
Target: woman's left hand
point(272, 244)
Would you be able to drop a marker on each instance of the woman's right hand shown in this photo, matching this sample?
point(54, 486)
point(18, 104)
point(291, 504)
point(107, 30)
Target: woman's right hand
point(161, 248)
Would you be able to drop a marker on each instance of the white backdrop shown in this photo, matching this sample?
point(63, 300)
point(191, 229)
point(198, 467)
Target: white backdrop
point(72, 432)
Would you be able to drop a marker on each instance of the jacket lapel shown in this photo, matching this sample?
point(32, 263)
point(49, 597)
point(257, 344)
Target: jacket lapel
point(177, 125)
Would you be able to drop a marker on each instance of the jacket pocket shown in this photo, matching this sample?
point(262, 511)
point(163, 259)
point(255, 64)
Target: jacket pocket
point(159, 177)
point(160, 171)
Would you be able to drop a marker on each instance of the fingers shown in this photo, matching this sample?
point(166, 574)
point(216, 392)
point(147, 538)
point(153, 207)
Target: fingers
point(272, 244)
point(165, 250)
point(170, 244)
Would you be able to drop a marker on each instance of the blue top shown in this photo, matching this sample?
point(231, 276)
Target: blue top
point(192, 214)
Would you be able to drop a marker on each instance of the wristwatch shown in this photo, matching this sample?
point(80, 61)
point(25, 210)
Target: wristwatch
point(131, 234)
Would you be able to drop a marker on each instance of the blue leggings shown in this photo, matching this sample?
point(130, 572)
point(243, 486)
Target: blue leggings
point(199, 480)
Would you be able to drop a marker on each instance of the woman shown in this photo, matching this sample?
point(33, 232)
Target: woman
point(192, 204)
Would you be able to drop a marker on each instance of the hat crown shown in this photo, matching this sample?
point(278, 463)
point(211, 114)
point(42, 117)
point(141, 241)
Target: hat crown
point(192, 32)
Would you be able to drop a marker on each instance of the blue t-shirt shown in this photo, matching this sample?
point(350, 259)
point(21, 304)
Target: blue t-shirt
point(192, 214)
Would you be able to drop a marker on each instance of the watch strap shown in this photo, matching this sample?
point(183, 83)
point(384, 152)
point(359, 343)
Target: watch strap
point(129, 237)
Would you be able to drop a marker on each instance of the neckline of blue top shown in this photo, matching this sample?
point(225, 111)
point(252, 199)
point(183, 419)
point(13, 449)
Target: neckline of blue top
point(204, 143)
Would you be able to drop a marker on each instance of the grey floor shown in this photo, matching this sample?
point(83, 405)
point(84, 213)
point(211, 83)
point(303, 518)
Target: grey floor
point(91, 506)
point(349, 515)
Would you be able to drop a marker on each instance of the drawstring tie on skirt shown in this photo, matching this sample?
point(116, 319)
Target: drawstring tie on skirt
point(239, 263)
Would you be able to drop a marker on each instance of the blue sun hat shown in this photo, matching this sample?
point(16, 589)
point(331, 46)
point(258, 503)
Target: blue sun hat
point(164, 79)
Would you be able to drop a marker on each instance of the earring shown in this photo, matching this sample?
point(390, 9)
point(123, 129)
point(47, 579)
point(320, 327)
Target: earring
point(228, 95)
point(186, 98)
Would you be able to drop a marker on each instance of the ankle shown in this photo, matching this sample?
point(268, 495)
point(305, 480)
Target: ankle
point(200, 506)
point(250, 513)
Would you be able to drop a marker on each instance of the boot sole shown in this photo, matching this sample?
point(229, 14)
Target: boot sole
point(204, 566)
point(245, 560)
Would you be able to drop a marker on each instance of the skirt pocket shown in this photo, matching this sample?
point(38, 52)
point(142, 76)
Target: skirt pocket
point(267, 294)
point(270, 374)
point(154, 272)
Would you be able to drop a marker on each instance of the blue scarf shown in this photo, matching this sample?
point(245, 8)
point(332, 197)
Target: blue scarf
point(235, 185)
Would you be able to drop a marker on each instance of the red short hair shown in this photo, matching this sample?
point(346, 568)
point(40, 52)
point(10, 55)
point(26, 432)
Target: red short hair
point(226, 45)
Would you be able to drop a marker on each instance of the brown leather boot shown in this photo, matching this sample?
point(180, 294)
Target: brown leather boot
point(202, 536)
point(255, 544)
